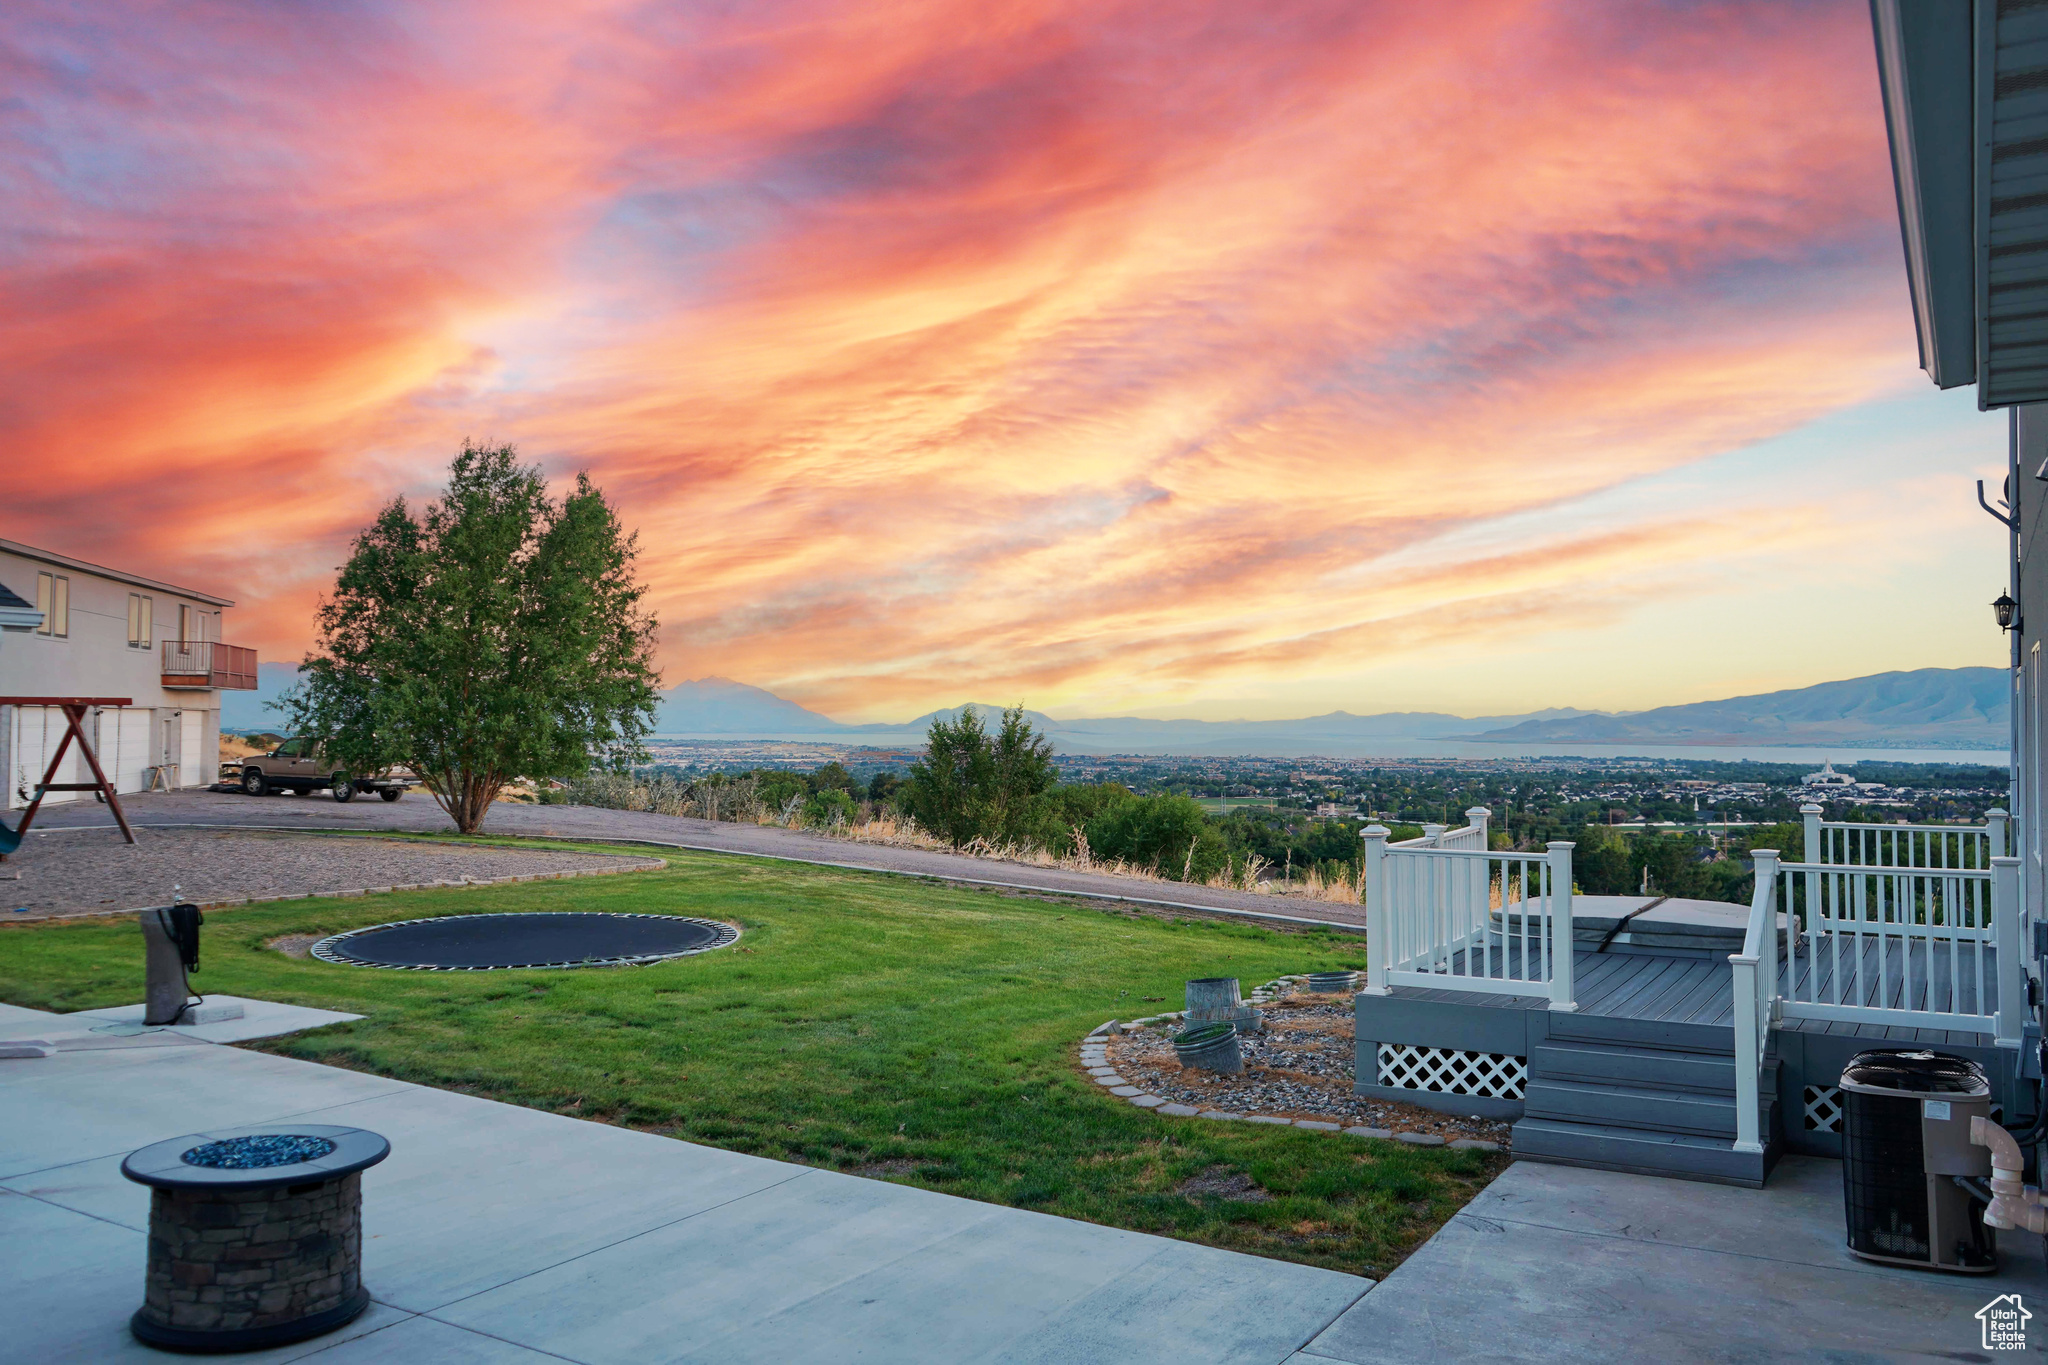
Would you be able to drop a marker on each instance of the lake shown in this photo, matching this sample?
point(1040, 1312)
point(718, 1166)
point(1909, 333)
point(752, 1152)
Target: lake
point(1419, 748)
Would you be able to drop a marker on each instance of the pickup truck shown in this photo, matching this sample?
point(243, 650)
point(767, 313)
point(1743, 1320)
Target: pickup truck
point(298, 765)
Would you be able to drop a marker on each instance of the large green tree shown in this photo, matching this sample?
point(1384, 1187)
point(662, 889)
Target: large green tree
point(973, 784)
point(498, 634)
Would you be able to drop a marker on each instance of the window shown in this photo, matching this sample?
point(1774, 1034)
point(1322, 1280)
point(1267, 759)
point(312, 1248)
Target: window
point(53, 600)
point(185, 623)
point(140, 626)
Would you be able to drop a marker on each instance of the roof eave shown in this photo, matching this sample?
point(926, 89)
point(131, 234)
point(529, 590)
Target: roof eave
point(1925, 71)
point(67, 562)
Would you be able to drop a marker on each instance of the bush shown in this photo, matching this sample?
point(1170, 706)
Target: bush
point(828, 808)
point(1167, 834)
point(974, 785)
point(777, 790)
point(831, 776)
point(1601, 865)
point(1065, 809)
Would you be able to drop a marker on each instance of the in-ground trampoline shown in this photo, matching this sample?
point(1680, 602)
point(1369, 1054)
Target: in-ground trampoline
point(484, 943)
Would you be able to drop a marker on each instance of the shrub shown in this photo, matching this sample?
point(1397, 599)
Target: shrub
point(828, 808)
point(974, 785)
point(1168, 834)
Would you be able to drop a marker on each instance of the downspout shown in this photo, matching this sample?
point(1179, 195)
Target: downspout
point(2016, 725)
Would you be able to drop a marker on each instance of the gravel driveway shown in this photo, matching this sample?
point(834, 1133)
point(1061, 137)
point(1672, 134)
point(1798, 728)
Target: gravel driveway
point(419, 814)
point(91, 871)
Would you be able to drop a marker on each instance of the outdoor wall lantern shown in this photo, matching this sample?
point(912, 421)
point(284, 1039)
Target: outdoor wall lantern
point(2006, 610)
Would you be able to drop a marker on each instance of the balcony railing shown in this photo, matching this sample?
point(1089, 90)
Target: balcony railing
point(205, 664)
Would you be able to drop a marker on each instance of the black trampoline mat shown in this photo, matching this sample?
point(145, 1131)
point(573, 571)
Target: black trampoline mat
point(484, 942)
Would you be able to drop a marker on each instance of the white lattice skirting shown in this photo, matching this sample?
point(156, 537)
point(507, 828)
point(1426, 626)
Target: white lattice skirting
point(1448, 1071)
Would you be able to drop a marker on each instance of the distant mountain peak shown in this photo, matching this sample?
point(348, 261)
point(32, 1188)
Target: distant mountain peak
point(720, 706)
point(1922, 707)
point(1959, 708)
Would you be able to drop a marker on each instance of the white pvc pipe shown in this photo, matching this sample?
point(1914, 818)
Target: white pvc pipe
point(2013, 1204)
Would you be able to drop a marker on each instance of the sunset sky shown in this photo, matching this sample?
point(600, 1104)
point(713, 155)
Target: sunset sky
point(1175, 358)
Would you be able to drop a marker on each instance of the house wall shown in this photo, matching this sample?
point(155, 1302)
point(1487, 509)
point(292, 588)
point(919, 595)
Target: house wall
point(2030, 691)
point(96, 660)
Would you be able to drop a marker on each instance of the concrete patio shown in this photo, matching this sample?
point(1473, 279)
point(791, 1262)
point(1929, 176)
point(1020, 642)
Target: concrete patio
point(1558, 1264)
point(496, 1233)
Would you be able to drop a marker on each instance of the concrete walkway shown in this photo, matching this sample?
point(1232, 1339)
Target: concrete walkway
point(501, 1234)
point(1555, 1264)
point(417, 814)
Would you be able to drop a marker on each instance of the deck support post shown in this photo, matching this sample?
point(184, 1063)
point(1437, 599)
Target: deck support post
point(2012, 952)
point(1562, 996)
point(1377, 911)
point(1994, 827)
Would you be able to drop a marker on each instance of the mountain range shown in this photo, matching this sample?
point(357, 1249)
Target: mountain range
point(1943, 708)
point(1927, 708)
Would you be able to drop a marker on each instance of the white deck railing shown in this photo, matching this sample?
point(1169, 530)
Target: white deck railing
point(1901, 945)
point(1918, 936)
point(1445, 912)
point(1471, 834)
point(1755, 971)
point(1908, 924)
point(1871, 845)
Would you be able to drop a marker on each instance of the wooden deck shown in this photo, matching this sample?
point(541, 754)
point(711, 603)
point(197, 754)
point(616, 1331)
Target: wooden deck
point(1699, 990)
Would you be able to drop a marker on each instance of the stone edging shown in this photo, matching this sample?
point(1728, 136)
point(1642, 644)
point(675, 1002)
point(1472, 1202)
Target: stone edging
point(1095, 1058)
point(634, 865)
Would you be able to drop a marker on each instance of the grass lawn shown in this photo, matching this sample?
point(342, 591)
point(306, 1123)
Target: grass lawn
point(1216, 805)
point(905, 1029)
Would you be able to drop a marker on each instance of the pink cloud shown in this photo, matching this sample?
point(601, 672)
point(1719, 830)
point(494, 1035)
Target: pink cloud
point(941, 343)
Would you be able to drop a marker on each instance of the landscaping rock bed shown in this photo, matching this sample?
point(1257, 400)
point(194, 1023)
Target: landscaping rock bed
point(1299, 1070)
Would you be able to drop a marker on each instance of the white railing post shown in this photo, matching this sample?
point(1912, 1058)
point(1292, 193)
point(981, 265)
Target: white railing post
point(1378, 914)
point(1433, 834)
point(1748, 1138)
point(1814, 849)
point(1765, 897)
point(2012, 953)
point(1994, 826)
point(1477, 817)
point(1561, 996)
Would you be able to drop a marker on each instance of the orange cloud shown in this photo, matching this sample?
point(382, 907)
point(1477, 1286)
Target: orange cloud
point(943, 347)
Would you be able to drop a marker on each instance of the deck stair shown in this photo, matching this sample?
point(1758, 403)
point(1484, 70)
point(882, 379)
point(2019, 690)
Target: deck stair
point(1641, 1095)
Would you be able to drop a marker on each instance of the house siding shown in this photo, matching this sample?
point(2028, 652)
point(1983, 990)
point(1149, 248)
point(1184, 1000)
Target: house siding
point(160, 726)
point(2030, 682)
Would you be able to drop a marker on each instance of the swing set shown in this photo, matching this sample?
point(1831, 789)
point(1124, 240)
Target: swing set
point(74, 709)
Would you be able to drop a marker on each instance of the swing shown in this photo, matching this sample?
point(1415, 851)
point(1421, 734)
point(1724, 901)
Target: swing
point(74, 709)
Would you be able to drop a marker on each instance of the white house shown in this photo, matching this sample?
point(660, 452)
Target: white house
point(73, 629)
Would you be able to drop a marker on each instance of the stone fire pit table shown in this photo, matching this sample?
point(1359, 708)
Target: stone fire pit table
point(255, 1235)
